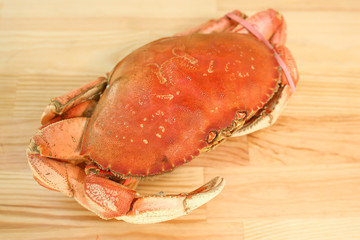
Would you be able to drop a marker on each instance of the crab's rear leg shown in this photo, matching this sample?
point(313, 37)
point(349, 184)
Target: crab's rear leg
point(223, 24)
point(76, 103)
point(269, 23)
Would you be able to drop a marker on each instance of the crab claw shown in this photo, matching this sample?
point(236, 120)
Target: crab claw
point(161, 207)
point(59, 176)
point(109, 199)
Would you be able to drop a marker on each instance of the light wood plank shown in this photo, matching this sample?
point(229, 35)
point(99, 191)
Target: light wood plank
point(286, 192)
point(307, 228)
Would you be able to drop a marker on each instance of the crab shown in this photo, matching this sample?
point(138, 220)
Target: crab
point(160, 107)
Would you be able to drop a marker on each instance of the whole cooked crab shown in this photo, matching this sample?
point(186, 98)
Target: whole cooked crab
point(160, 107)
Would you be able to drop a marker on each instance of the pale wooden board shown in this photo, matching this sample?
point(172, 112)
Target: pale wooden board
point(299, 179)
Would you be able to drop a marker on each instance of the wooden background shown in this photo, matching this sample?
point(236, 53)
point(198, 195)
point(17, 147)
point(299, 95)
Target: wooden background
point(299, 179)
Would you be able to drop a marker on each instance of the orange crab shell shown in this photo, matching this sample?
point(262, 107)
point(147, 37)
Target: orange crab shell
point(165, 98)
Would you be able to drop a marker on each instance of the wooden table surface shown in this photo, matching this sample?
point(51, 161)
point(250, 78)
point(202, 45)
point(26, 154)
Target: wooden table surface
point(299, 179)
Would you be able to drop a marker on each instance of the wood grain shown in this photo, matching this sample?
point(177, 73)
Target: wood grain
point(299, 179)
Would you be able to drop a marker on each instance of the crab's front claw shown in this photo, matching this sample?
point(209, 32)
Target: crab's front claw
point(161, 207)
point(59, 176)
point(109, 199)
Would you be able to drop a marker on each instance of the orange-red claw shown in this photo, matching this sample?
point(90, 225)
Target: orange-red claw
point(107, 198)
point(61, 104)
point(161, 207)
point(61, 140)
point(50, 174)
point(59, 176)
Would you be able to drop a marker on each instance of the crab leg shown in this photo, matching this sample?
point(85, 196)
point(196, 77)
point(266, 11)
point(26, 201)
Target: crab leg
point(223, 24)
point(267, 23)
point(59, 176)
point(83, 109)
point(270, 26)
point(61, 140)
point(109, 199)
point(61, 104)
point(53, 154)
point(161, 207)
